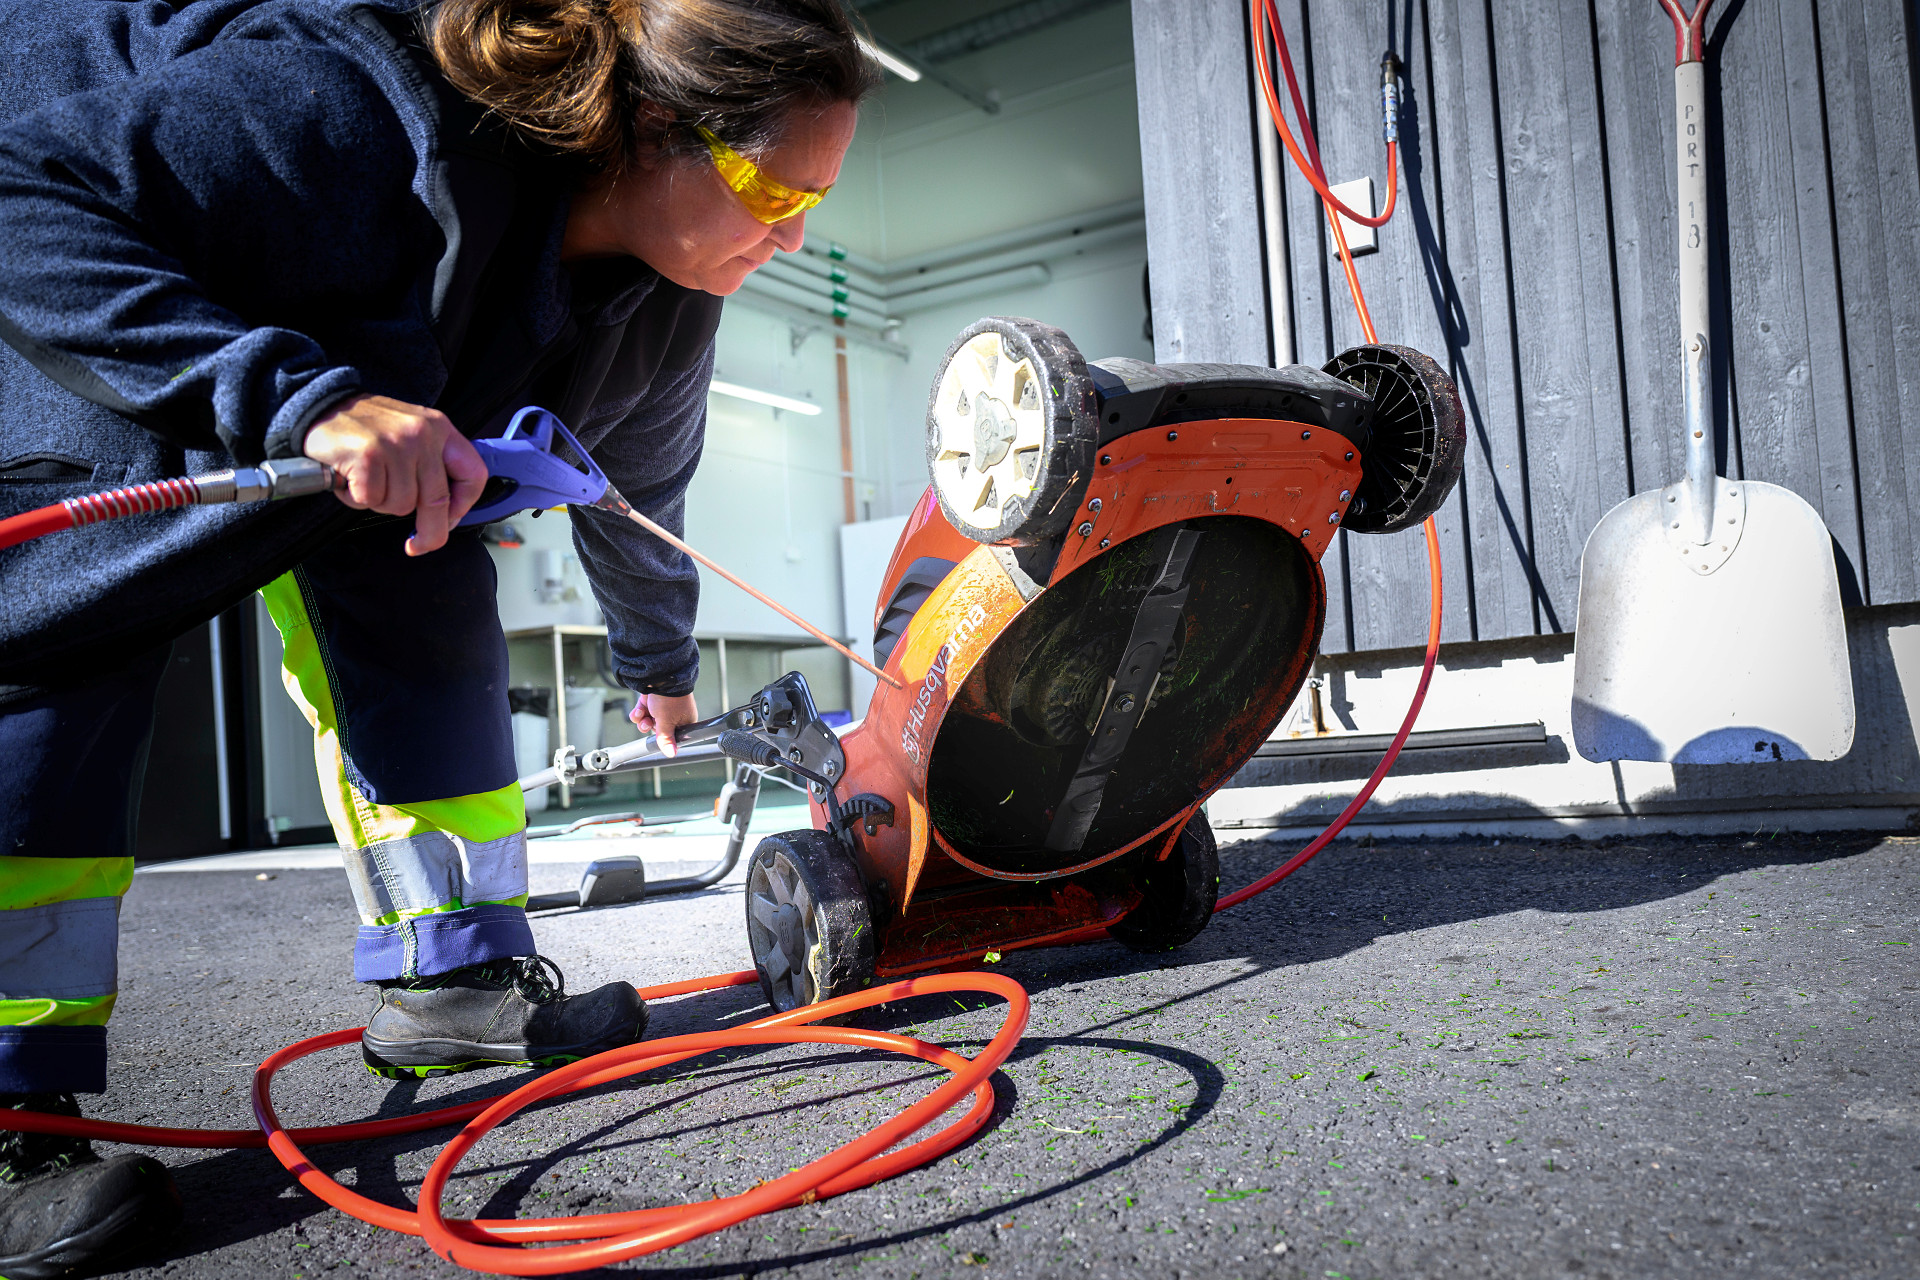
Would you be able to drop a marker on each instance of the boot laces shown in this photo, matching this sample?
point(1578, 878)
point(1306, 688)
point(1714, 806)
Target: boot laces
point(535, 977)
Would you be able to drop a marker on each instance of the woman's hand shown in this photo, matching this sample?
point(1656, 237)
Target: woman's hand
point(398, 458)
point(656, 713)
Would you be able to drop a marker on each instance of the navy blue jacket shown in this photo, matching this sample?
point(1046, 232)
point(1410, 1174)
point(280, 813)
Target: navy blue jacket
point(219, 219)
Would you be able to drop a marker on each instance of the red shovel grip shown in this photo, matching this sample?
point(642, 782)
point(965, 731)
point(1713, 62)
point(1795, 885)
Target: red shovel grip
point(1689, 32)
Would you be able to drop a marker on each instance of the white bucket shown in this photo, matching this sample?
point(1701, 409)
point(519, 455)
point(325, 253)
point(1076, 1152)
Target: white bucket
point(531, 754)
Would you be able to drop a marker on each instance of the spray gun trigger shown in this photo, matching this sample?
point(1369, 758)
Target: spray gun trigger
point(526, 469)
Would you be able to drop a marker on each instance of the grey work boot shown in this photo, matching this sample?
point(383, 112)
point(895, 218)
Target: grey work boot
point(64, 1209)
point(505, 1013)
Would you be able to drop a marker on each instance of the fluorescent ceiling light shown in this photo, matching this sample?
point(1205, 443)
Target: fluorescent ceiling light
point(807, 407)
point(891, 61)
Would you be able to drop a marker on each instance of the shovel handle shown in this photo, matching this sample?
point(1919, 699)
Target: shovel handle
point(1690, 158)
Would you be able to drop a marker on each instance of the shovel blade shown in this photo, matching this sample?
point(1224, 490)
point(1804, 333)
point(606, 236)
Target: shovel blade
point(1744, 664)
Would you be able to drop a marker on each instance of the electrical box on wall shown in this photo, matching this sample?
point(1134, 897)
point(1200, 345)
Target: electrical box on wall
point(541, 582)
point(1357, 194)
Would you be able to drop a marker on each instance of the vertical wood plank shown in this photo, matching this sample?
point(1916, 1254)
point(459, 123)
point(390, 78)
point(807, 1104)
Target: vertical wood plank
point(1387, 574)
point(1892, 29)
point(1833, 434)
point(1312, 283)
point(1876, 203)
point(1480, 334)
point(1636, 85)
point(1426, 197)
point(1562, 290)
point(1789, 410)
point(1313, 294)
point(1196, 150)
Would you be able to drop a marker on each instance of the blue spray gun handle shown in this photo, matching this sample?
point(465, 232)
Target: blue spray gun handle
point(524, 473)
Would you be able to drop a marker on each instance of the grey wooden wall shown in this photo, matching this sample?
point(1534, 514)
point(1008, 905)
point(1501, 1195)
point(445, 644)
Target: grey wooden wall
point(1533, 251)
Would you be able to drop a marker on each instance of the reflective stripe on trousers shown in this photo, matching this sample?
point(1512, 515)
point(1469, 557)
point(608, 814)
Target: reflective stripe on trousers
point(71, 762)
point(59, 969)
point(438, 883)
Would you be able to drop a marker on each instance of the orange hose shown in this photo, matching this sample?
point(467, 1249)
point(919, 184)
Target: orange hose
point(1379, 774)
point(37, 523)
point(1266, 19)
point(494, 1245)
point(1266, 22)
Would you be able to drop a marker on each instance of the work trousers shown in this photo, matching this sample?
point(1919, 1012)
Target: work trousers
point(400, 666)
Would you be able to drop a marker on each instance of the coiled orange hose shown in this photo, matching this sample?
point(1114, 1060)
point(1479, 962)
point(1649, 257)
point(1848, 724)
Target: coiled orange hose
point(495, 1245)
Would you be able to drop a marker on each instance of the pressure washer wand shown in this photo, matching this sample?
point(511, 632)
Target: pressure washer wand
point(526, 470)
point(612, 501)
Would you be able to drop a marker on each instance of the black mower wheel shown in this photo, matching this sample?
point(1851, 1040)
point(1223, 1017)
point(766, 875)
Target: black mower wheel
point(1417, 440)
point(1179, 893)
point(808, 924)
point(1011, 431)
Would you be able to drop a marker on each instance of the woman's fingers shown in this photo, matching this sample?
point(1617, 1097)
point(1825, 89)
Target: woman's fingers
point(663, 716)
point(401, 459)
point(466, 470)
point(669, 714)
point(365, 474)
point(366, 484)
point(431, 498)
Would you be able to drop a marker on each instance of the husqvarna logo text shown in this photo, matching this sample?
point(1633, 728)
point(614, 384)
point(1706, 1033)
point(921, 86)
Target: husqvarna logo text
point(936, 681)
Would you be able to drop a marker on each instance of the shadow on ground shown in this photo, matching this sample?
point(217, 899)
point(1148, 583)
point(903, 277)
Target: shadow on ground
point(1352, 895)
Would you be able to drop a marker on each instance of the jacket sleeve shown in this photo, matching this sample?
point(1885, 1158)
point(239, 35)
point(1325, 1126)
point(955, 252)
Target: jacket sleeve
point(165, 241)
point(649, 592)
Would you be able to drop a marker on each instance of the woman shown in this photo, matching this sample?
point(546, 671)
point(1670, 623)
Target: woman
point(250, 229)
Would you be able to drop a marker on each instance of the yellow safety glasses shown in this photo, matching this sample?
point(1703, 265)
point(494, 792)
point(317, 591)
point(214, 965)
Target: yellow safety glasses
point(765, 199)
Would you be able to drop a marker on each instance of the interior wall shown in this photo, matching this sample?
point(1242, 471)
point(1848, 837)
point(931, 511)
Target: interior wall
point(926, 171)
point(1097, 300)
point(767, 499)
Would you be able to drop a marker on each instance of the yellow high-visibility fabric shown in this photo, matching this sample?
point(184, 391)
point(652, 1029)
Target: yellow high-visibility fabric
point(26, 883)
point(35, 882)
point(399, 857)
point(358, 821)
point(91, 1012)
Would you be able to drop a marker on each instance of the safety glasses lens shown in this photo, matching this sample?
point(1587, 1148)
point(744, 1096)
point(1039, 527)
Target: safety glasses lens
point(765, 199)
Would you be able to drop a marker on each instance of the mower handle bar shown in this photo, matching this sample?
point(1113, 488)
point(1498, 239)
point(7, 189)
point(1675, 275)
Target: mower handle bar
point(697, 742)
point(718, 737)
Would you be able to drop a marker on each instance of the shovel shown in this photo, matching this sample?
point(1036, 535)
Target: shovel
point(1709, 628)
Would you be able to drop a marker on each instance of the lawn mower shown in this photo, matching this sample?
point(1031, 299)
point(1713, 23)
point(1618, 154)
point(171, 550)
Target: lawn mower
point(1105, 601)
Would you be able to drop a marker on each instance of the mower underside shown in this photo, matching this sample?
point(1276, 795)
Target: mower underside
point(1025, 725)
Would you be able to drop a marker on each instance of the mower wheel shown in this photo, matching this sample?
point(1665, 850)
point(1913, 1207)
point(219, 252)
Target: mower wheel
point(1179, 893)
point(808, 923)
point(1011, 431)
point(1417, 437)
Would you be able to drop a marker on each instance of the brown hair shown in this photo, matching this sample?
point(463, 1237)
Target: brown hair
point(604, 80)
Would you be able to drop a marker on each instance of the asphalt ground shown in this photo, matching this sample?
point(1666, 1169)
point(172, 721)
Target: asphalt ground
point(1661, 1057)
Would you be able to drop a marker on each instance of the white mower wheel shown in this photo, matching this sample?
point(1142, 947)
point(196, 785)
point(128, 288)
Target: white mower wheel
point(1010, 431)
